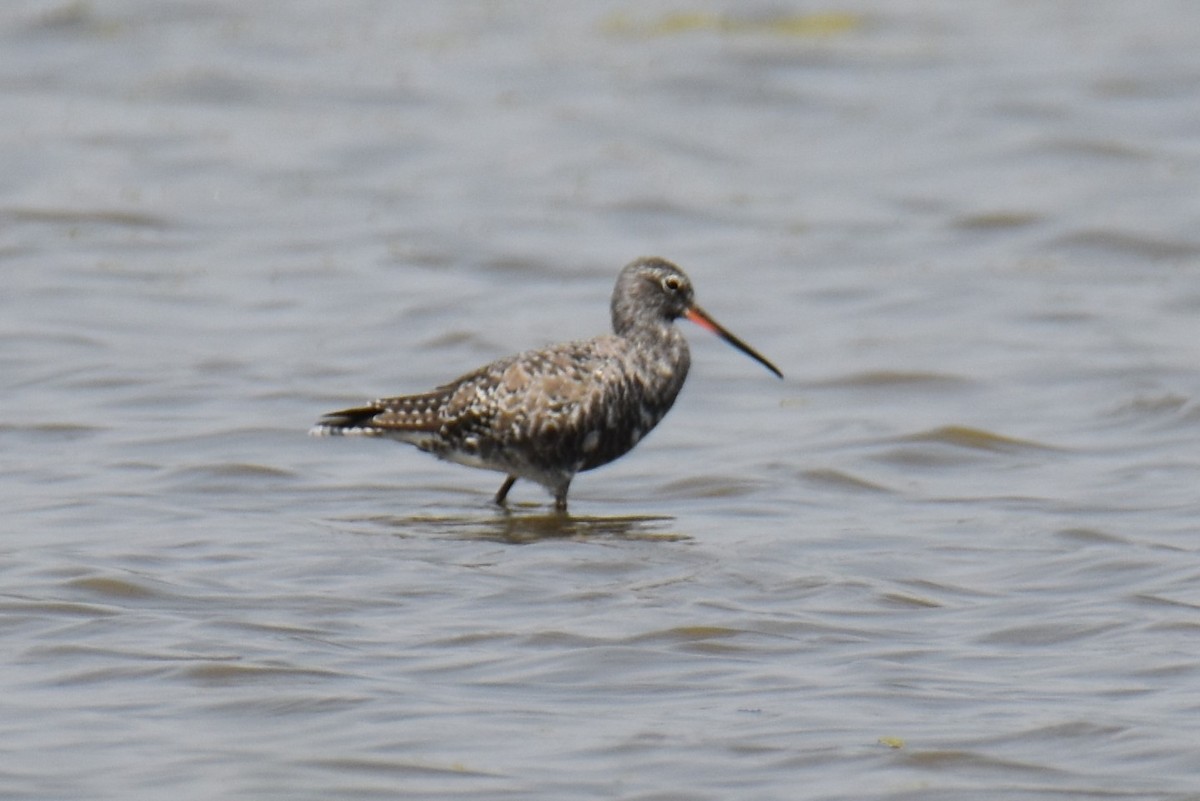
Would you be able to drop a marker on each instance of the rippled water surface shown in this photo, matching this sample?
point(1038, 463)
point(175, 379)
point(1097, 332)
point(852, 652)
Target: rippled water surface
point(955, 554)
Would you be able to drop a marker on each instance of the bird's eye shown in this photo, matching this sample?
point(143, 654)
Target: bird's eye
point(672, 283)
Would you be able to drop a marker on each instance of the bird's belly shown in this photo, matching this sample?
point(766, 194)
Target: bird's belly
point(470, 460)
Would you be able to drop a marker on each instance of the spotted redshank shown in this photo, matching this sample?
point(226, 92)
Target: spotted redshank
point(547, 414)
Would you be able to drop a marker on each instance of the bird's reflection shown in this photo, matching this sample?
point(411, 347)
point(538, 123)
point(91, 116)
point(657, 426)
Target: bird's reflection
point(517, 527)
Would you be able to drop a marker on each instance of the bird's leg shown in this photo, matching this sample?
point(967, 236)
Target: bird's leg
point(560, 497)
point(504, 488)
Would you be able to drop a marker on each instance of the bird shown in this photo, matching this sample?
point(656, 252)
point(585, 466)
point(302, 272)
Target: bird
point(549, 413)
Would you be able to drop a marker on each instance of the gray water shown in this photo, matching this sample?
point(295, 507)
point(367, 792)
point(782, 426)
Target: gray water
point(956, 554)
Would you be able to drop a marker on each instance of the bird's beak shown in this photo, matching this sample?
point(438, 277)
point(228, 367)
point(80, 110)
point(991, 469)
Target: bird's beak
point(700, 317)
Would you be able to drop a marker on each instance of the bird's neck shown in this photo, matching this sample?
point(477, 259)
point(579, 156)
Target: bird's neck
point(643, 329)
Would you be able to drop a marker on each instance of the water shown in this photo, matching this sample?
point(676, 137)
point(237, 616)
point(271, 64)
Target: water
point(953, 555)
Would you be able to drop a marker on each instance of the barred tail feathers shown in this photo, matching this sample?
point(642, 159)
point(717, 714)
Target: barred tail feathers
point(386, 417)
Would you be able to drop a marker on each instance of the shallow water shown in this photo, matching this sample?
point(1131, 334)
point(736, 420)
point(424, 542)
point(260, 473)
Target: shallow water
point(954, 554)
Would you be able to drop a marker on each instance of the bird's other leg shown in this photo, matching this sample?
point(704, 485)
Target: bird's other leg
point(504, 488)
point(560, 497)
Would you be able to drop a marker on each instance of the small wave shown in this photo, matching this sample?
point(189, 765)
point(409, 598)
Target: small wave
point(974, 439)
point(838, 480)
point(891, 379)
point(1127, 246)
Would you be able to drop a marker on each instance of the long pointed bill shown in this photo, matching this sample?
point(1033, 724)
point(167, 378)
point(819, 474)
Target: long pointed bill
point(700, 317)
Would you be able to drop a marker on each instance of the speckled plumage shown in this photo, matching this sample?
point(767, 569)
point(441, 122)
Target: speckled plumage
point(550, 413)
